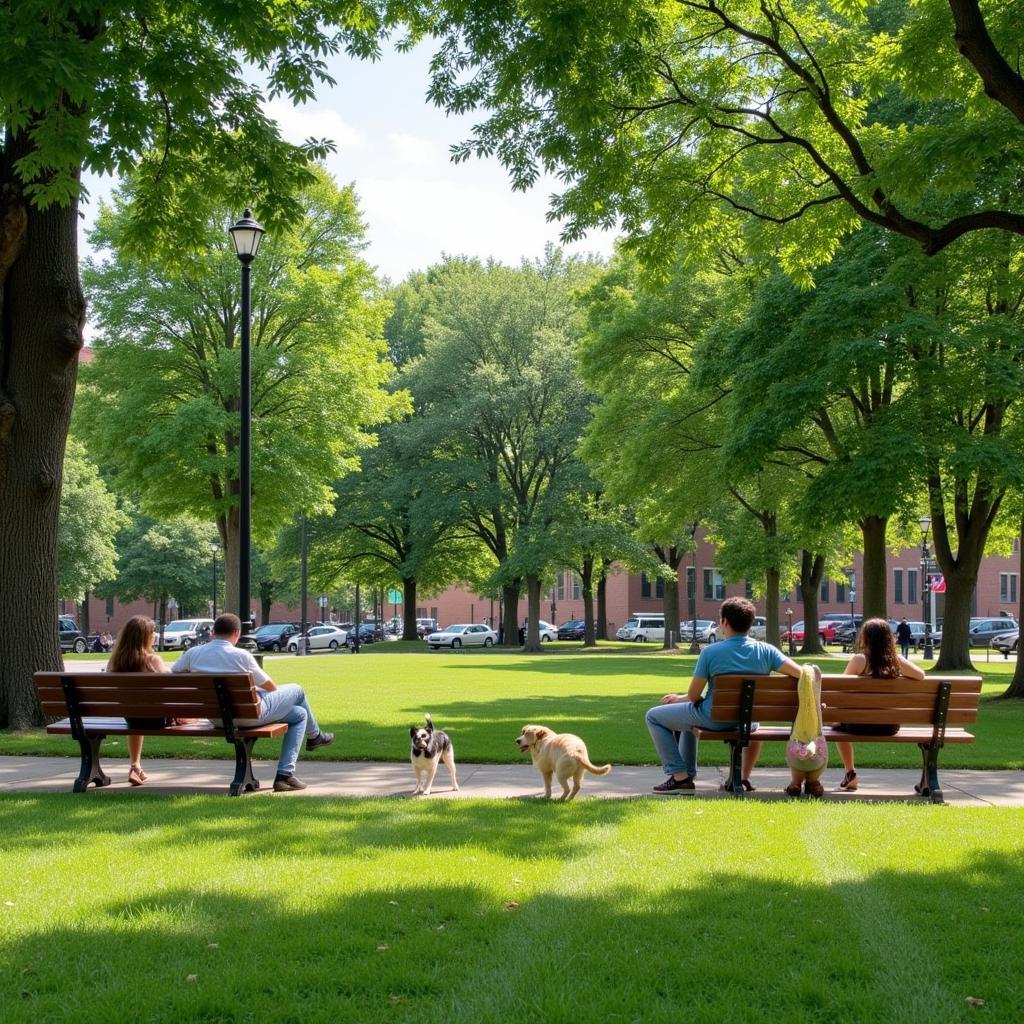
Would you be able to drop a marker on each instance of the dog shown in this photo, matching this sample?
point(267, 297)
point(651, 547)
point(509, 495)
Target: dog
point(429, 747)
point(559, 754)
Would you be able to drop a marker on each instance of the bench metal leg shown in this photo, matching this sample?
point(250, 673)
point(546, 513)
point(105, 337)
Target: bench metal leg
point(244, 780)
point(90, 772)
point(929, 784)
point(734, 783)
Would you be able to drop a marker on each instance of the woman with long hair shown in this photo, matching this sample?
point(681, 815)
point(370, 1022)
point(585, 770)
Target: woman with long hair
point(879, 659)
point(133, 652)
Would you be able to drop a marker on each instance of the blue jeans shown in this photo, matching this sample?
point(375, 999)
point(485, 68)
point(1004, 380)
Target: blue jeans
point(665, 720)
point(288, 704)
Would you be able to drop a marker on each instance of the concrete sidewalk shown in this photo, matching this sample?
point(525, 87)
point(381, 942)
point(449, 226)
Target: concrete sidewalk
point(962, 788)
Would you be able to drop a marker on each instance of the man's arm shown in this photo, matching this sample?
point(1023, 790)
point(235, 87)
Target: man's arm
point(790, 668)
point(696, 690)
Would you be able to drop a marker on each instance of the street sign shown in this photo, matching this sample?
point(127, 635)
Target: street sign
point(394, 596)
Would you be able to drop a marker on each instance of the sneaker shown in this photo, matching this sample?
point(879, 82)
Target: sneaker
point(674, 785)
point(287, 783)
point(321, 739)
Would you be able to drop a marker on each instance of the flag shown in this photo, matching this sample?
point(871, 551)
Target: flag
point(938, 584)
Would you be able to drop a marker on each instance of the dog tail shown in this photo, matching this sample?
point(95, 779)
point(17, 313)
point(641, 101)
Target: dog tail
point(593, 768)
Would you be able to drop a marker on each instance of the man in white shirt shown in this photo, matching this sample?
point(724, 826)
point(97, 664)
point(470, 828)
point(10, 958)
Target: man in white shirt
point(286, 703)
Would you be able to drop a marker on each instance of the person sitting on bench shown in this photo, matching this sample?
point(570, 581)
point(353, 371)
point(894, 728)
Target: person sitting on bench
point(286, 703)
point(735, 653)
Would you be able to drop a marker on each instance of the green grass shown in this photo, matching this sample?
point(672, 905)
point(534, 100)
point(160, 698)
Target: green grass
point(197, 909)
point(483, 698)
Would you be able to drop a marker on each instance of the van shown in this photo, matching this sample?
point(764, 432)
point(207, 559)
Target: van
point(642, 627)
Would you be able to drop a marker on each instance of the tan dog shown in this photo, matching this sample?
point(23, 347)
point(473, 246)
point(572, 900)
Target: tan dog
point(559, 754)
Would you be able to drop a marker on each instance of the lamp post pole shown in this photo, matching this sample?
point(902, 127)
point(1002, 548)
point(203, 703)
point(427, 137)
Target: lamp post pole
point(214, 548)
point(303, 645)
point(789, 630)
point(692, 593)
point(246, 235)
point(926, 585)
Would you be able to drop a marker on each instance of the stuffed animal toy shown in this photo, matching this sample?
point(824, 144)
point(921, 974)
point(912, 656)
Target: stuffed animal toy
point(807, 751)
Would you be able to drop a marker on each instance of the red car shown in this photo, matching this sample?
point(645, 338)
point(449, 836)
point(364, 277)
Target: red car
point(826, 630)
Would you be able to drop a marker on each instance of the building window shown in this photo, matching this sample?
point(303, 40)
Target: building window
point(110, 606)
point(714, 585)
point(659, 587)
point(912, 597)
point(576, 588)
point(1008, 586)
point(748, 590)
point(800, 595)
point(561, 586)
point(691, 583)
point(824, 591)
point(645, 585)
point(433, 613)
point(897, 586)
point(840, 593)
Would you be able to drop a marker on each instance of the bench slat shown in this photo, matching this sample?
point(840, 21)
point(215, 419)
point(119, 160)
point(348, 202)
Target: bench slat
point(106, 692)
point(958, 684)
point(907, 734)
point(114, 726)
point(785, 705)
point(153, 708)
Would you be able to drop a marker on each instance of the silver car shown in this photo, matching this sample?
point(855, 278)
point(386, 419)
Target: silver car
point(463, 635)
point(321, 638)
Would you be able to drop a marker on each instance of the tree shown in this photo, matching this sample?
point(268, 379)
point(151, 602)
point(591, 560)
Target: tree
point(166, 372)
point(501, 408)
point(89, 523)
point(164, 559)
point(680, 120)
point(102, 87)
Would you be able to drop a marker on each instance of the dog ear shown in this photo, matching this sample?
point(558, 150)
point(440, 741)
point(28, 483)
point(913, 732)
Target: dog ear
point(412, 732)
point(430, 723)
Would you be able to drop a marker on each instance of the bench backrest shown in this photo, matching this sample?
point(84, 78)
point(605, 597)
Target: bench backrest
point(145, 694)
point(852, 699)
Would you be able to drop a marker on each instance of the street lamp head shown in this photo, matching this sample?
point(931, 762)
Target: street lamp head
point(214, 547)
point(247, 235)
point(925, 523)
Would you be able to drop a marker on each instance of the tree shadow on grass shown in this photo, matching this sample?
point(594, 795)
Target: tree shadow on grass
point(892, 946)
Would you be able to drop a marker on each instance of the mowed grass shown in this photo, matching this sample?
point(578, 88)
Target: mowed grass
point(483, 698)
point(199, 909)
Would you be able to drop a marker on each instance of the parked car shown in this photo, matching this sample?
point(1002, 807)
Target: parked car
point(705, 628)
point(983, 631)
point(1006, 643)
point(426, 626)
point(571, 630)
point(463, 635)
point(181, 634)
point(321, 638)
point(547, 632)
point(273, 636)
point(796, 634)
point(71, 637)
point(759, 630)
point(642, 627)
point(368, 634)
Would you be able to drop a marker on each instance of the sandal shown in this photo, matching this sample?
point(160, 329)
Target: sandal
point(814, 788)
point(849, 782)
point(793, 789)
point(747, 787)
point(136, 776)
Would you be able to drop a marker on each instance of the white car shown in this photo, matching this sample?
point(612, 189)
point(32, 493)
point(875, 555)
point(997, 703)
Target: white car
point(181, 634)
point(462, 636)
point(759, 630)
point(321, 638)
point(547, 632)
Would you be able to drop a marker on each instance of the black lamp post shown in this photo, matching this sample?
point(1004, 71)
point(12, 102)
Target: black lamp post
point(789, 617)
point(214, 548)
point(553, 608)
point(925, 523)
point(246, 236)
point(692, 593)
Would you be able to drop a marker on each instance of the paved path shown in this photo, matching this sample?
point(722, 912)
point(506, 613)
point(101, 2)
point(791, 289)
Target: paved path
point(380, 779)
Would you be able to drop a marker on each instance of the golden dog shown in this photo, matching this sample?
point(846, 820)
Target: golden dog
point(559, 754)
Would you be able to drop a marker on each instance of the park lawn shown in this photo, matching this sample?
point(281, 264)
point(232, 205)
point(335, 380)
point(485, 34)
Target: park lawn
point(483, 698)
point(200, 909)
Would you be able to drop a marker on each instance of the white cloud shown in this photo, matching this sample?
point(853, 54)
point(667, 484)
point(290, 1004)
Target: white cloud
point(412, 149)
point(300, 123)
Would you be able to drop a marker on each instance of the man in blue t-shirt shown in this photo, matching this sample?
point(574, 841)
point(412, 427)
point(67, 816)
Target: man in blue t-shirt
point(734, 654)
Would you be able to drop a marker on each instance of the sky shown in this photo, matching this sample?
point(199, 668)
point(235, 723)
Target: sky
point(393, 145)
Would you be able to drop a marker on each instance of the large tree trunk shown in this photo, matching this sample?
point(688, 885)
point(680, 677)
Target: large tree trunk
point(84, 619)
point(587, 589)
point(602, 601)
point(510, 614)
point(874, 602)
point(771, 606)
point(812, 569)
point(40, 338)
point(409, 610)
point(955, 651)
point(1016, 687)
point(531, 643)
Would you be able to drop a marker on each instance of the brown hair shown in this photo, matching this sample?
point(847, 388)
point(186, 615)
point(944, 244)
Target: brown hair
point(134, 646)
point(879, 648)
point(739, 613)
point(227, 625)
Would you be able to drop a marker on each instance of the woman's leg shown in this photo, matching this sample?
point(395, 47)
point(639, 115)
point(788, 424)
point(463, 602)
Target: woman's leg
point(135, 749)
point(846, 753)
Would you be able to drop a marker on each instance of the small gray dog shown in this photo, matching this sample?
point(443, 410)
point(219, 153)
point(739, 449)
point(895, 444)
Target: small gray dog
point(429, 747)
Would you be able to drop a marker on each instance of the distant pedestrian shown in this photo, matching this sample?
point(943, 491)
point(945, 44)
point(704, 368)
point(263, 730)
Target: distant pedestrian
point(904, 635)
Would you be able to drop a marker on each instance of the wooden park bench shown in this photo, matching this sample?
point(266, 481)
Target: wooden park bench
point(104, 704)
point(930, 712)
